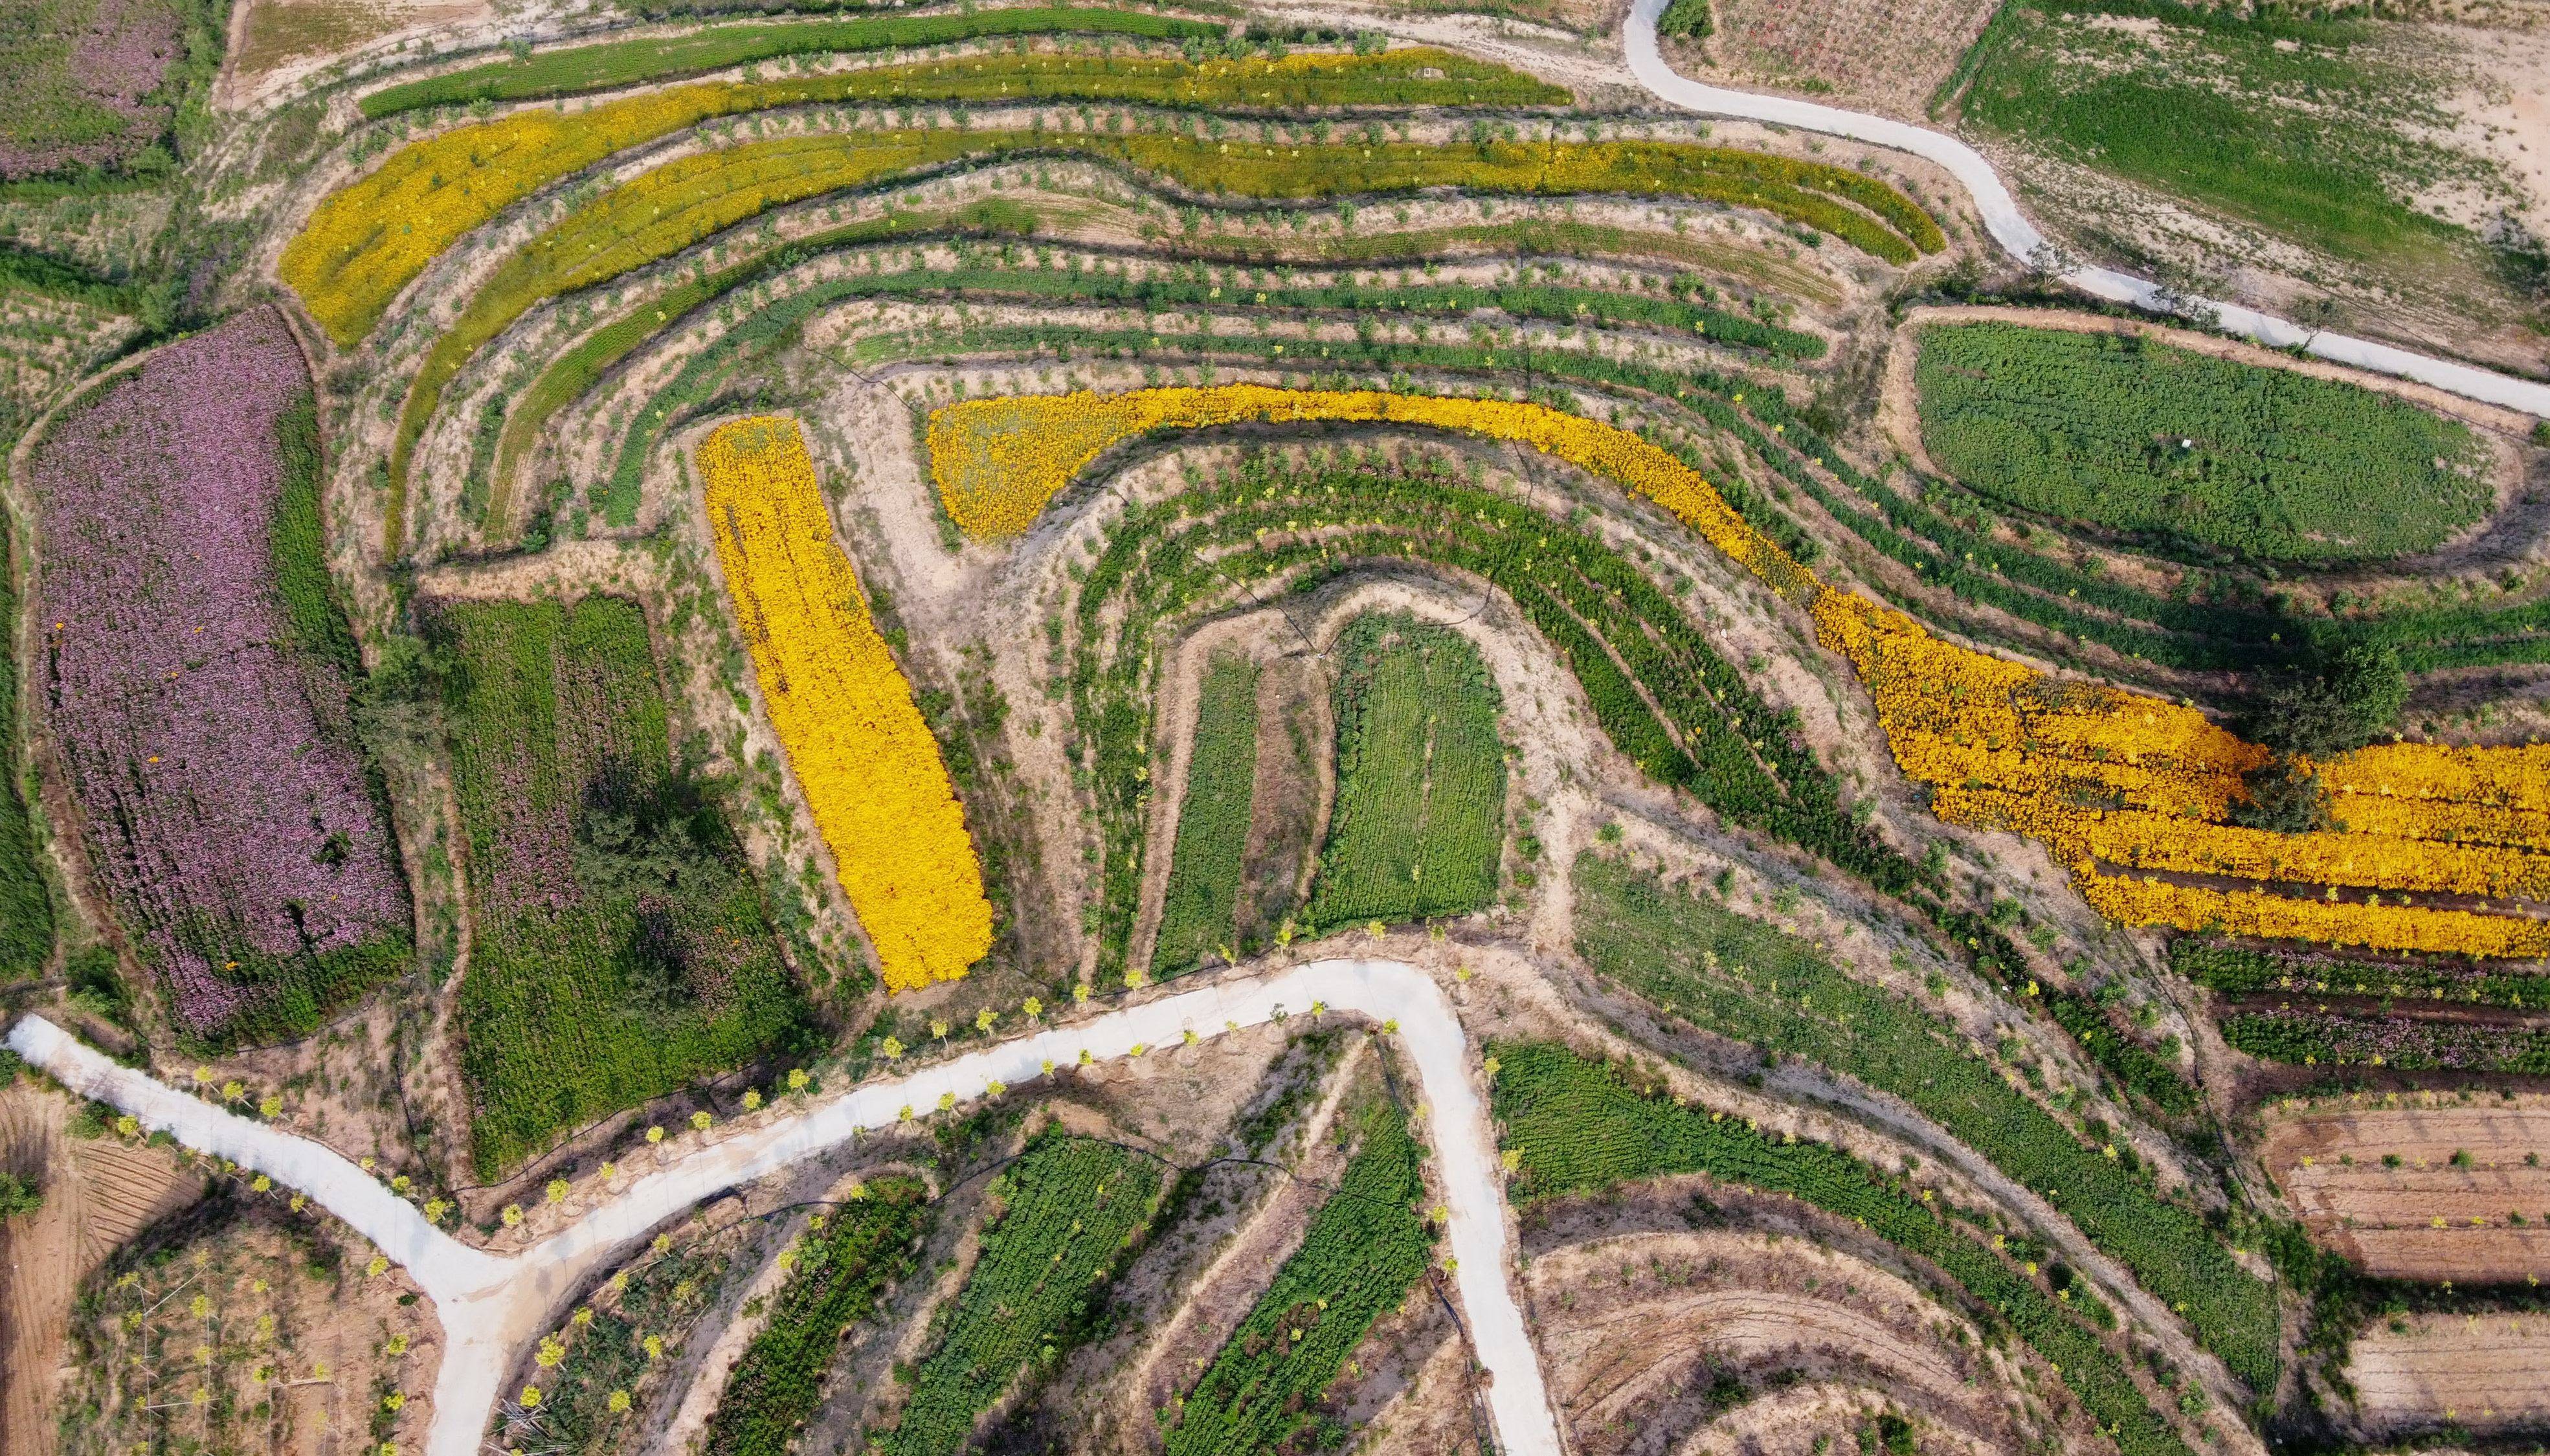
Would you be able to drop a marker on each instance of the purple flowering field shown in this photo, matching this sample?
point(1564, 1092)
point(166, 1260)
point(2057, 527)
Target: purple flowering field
point(228, 814)
point(74, 75)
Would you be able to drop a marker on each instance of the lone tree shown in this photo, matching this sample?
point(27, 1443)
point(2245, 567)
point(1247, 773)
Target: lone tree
point(2340, 701)
point(18, 1196)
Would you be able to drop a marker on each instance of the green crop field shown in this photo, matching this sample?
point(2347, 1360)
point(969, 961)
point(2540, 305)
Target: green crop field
point(2139, 438)
point(1421, 801)
point(2314, 132)
point(1580, 1128)
point(621, 948)
point(1199, 909)
point(1746, 980)
point(1365, 1249)
point(841, 1268)
point(1064, 1218)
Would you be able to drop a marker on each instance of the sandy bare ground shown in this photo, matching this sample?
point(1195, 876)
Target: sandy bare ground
point(2464, 1174)
point(98, 1194)
point(2488, 1372)
point(1631, 1327)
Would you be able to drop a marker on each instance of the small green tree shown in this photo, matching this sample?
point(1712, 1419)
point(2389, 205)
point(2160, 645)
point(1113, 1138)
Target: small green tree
point(19, 1196)
point(2341, 700)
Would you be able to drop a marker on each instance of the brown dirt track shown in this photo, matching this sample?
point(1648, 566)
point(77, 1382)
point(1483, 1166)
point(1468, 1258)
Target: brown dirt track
point(2384, 1218)
point(2483, 1372)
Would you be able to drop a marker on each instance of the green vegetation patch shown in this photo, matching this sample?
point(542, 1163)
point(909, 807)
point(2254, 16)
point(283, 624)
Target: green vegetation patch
point(2123, 434)
point(1366, 1249)
point(26, 903)
point(2314, 132)
point(1061, 1219)
point(621, 949)
point(1743, 978)
point(574, 70)
point(841, 1264)
point(2306, 1034)
point(2237, 971)
point(1421, 801)
point(1580, 1128)
point(1198, 911)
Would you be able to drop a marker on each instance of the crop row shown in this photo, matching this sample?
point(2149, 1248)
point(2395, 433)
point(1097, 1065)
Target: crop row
point(370, 238)
point(1063, 1217)
point(619, 945)
point(2307, 1035)
point(574, 70)
point(870, 770)
point(580, 366)
point(2235, 971)
point(1199, 909)
point(1365, 1249)
point(26, 903)
point(1824, 829)
point(666, 210)
point(837, 1270)
point(1579, 1129)
point(1420, 774)
point(583, 366)
point(1740, 978)
point(1265, 525)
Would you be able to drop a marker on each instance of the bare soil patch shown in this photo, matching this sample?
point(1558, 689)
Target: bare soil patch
point(2486, 1373)
point(1868, 53)
point(98, 1194)
point(2421, 1186)
point(1639, 1329)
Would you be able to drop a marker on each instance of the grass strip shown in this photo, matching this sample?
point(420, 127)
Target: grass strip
point(1062, 1216)
point(836, 1270)
point(1201, 904)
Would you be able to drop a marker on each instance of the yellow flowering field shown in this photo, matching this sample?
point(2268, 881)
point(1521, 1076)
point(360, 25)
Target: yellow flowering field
point(370, 238)
point(2103, 776)
point(842, 710)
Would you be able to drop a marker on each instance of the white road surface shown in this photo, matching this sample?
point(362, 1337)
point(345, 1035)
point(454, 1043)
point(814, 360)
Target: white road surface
point(491, 1307)
point(2018, 237)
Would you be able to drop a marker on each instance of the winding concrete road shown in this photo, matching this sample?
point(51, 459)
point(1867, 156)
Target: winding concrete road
point(491, 1307)
point(2019, 238)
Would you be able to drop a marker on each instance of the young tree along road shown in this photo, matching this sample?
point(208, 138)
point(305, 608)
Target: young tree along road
point(491, 1307)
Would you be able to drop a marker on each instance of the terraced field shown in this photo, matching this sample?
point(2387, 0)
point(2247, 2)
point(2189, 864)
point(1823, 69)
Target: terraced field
point(730, 586)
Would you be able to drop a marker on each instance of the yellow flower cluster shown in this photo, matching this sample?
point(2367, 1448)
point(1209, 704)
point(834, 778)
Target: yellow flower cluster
point(2103, 776)
point(996, 462)
point(370, 238)
point(2140, 901)
point(845, 714)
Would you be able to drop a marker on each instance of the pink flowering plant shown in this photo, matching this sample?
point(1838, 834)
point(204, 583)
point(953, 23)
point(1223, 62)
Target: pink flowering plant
point(195, 673)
